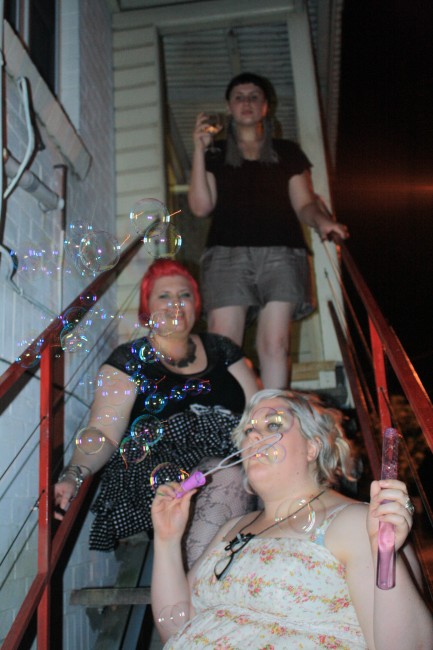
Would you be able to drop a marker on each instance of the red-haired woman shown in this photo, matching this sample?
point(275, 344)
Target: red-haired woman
point(196, 385)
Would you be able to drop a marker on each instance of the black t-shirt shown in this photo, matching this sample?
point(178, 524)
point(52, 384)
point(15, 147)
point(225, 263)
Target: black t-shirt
point(253, 206)
point(224, 391)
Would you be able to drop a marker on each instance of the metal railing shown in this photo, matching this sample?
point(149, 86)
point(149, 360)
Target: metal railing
point(38, 598)
point(384, 345)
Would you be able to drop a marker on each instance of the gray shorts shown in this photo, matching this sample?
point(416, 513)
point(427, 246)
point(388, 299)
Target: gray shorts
point(254, 276)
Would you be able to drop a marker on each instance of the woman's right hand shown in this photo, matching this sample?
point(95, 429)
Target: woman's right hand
point(202, 140)
point(64, 492)
point(169, 513)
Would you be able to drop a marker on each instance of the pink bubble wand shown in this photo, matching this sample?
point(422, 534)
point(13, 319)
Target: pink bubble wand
point(197, 479)
point(385, 578)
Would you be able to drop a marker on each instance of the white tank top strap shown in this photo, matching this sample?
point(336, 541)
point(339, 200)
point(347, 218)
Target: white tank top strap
point(318, 535)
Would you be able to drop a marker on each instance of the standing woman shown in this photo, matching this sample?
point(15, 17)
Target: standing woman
point(259, 191)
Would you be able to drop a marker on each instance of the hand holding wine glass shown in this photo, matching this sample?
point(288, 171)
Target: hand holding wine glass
point(213, 125)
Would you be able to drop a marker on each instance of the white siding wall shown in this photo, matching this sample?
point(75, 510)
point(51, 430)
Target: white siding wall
point(139, 131)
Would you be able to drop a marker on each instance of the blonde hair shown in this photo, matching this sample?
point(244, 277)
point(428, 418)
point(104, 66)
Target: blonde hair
point(319, 424)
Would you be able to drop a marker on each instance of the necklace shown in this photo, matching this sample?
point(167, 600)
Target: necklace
point(241, 540)
point(189, 357)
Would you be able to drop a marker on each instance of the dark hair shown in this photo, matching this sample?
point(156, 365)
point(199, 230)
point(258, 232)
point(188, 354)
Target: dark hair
point(162, 268)
point(251, 78)
point(268, 154)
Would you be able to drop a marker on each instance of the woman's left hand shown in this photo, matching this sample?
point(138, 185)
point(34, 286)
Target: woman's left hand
point(389, 502)
point(332, 231)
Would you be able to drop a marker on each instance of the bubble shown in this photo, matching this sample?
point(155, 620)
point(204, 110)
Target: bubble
point(145, 385)
point(88, 298)
point(162, 240)
point(32, 259)
point(205, 387)
point(148, 429)
point(268, 420)
point(73, 315)
point(305, 517)
point(272, 455)
point(143, 350)
point(133, 367)
point(155, 402)
point(31, 354)
point(193, 386)
point(174, 617)
point(108, 416)
point(145, 213)
point(99, 251)
point(167, 473)
point(115, 387)
point(177, 393)
point(90, 440)
point(97, 314)
point(73, 236)
point(133, 450)
point(164, 322)
point(74, 339)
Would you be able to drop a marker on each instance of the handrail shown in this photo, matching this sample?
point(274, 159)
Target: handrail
point(385, 341)
point(99, 286)
point(358, 395)
point(50, 548)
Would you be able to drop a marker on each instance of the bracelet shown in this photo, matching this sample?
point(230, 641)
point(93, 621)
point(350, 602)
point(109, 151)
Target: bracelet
point(74, 473)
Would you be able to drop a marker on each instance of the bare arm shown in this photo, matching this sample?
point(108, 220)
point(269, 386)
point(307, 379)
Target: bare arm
point(246, 376)
point(170, 588)
point(396, 618)
point(310, 210)
point(202, 193)
point(117, 388)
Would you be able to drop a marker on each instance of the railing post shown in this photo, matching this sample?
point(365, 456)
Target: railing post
point(45, 501)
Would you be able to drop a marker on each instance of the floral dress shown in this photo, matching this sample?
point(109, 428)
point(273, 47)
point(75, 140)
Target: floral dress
point(279, 593)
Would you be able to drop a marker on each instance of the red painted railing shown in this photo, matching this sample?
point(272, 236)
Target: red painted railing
point(384, 344)
point(38, 598)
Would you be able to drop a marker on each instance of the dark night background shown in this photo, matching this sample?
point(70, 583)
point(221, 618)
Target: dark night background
point(383, 187)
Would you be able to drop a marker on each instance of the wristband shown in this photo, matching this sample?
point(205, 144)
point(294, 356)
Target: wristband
point(74, 473)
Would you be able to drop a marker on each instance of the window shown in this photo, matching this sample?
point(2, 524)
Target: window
point(35, 21)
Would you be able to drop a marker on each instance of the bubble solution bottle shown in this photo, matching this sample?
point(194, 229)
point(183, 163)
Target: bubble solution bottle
point(385, 578)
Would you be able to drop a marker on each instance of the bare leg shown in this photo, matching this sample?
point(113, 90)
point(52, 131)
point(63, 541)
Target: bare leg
point(273, 344)
point(229, 321)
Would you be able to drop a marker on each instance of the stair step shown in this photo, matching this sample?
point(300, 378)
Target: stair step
point(109, 596)
point(110, 608)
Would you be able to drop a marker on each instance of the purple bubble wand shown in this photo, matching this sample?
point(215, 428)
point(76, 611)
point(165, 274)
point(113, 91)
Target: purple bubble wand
point(197, 479)
point(385, 578)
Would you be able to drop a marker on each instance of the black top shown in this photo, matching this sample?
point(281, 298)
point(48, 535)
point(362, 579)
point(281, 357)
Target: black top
point(253, 206)
point(225, 390)
point(193, 428)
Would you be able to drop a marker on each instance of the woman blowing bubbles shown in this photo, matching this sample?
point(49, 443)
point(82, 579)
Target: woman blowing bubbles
point(300, 573)
point(258, 190)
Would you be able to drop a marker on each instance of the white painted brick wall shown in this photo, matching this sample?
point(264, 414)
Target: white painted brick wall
point(87, 97)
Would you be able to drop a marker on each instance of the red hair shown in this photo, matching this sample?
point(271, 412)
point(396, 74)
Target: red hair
point(162, 268)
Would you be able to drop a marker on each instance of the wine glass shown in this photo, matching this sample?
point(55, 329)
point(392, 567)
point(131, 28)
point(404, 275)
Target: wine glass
point(213, 126)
